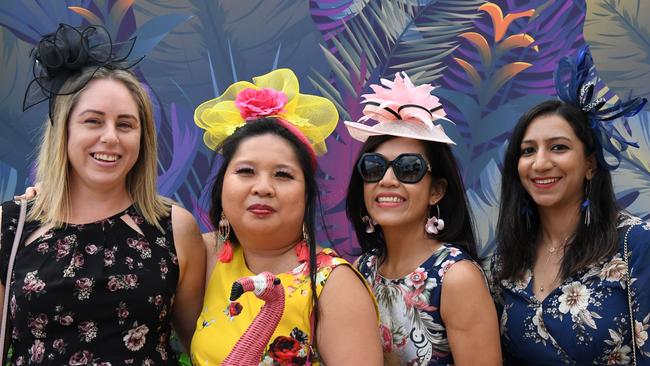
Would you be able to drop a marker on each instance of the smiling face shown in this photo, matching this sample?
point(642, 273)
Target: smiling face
point(104, 132)
point(552, 164)
point(392, 203)
point(263, 192)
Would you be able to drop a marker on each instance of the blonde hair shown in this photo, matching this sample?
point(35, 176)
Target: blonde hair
point(52, 205)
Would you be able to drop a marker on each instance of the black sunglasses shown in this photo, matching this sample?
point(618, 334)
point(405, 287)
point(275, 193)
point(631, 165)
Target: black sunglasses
point(408, 168)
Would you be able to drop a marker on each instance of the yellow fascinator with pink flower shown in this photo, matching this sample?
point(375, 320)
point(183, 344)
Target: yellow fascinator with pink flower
point(276, 94)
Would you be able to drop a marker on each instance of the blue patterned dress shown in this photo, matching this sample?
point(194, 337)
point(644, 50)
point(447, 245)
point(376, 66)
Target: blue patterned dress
point(411, 328)
point(585, 320)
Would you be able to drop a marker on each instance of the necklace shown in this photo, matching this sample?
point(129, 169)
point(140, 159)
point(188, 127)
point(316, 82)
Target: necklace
point(551, 252)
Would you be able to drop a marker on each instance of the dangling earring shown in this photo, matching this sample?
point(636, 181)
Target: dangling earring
point(434, 224)
point(370, 224)
point(586, 204)
point(302, 250)
point(223, 239)
point(527, 212)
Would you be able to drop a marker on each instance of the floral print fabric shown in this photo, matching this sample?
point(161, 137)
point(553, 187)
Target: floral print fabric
point(411, 329)
point(218, 329)
point(585, 321)
point(92, 294)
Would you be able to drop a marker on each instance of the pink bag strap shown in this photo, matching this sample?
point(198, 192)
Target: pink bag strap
point(10, 268)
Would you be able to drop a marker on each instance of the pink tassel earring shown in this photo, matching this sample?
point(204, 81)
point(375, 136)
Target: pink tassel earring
point(434, 224)
point(223, 238)
point(302, 250)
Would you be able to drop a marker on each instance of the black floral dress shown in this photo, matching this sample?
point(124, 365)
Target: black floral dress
point(91, 294)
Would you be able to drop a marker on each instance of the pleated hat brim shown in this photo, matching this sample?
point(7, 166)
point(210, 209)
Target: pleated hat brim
point(399, 128)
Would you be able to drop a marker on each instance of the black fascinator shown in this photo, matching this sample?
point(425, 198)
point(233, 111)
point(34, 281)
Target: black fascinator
point(580, 92)
point(68, 52)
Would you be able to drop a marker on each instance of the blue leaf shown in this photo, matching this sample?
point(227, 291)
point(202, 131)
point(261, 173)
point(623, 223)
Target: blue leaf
point(152, 32)
point(185, 143)
point(632, 178)
point(30, 20)
point(503, 119)
point(484, 203)
point(8, 180)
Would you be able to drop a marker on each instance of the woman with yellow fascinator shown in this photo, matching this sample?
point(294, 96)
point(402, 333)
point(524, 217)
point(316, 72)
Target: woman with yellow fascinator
point(273, 296)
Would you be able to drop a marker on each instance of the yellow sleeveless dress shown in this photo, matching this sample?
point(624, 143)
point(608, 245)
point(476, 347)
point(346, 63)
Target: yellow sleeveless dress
point(216, 332)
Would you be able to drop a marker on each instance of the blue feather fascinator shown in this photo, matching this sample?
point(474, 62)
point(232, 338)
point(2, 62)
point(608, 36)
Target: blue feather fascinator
point(580, 91)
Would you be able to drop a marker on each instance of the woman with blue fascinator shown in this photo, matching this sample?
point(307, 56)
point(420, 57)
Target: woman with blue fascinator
point(407, 203)
point(571, 272)
point(96, 269)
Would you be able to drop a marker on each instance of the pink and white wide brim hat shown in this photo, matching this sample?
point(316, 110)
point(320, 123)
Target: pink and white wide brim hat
point(401, 109)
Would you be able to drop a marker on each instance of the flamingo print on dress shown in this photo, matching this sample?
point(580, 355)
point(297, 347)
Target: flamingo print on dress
point(250, 347)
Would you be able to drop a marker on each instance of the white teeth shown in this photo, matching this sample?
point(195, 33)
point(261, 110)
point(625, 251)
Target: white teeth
point(545, 181)
point(389, 199)
point(105, 157)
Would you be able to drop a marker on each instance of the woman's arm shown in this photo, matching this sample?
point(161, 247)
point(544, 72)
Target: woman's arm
point(191, 260)
point(469, 315)
point(348, 332)
point(211, 254)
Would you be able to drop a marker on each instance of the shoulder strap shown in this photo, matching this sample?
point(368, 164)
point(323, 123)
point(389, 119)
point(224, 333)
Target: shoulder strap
point(628, 282)
point(310, 350)
point(10, 267)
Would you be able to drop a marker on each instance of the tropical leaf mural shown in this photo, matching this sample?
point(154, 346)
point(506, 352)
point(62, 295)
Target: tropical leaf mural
point(380, 38)
point(503, 67)
point(619, 39)
point(485, 207)
point(632, 178)
point(377, 39)
point(8, 181)
point(491, 61)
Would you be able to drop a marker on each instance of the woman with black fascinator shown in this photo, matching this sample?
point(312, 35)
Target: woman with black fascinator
point(571, 271)
point(99, 269)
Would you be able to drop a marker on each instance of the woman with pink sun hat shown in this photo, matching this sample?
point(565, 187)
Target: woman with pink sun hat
point(407, 203)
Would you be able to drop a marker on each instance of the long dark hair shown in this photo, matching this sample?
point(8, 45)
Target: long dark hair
point(516, 243)
point(453, 205)
point(270, 126)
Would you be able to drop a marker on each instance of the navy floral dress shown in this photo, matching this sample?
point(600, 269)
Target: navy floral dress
point(411, 328)
point(585, 321)
point(92, 294)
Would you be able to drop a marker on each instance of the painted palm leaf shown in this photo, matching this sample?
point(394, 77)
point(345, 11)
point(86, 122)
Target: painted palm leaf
point(554, 29)
point(484, 203)
point(377, 39)
point(502, 69)
point(389, 36)
point(330, 16)
point(20, 131)
point(632, 178)
point(8, 181)
point(30, 20)
point(619, 39)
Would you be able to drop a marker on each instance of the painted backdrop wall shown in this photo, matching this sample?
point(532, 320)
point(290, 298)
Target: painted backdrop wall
point(491, 61)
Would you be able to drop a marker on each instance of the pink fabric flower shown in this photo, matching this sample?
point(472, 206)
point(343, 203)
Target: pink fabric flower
point(36, 352)
point(254, 103)
point(416, 278)
point(386, 338)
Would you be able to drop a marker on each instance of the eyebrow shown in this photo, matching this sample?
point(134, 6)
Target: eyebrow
point(276, 166)
point(103, 114)
point(548, 139)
